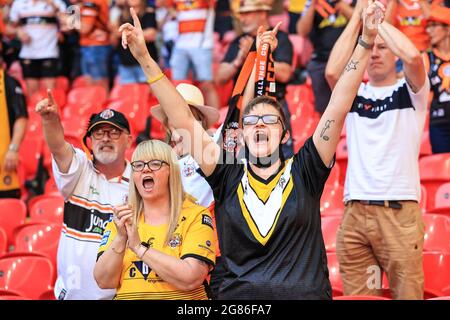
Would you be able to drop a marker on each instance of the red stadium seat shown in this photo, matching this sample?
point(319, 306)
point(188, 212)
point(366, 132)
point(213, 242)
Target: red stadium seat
point(51, 187)
point(440, 298)
point(29, 154)
point(12, 214)
point(360, 298)
point(58, 94)
point(302, 50)
point(331, 203)
point(135, 92)
point(437, 233)
point(330, 226)
point(81, 81)
point(434, 171)
point(436, 267)
point(334, 274)
point(94, 95)
point(30, 275)
point(49, 209)
point(342, 159)
point(135, 111)
point(62, 83)
point(333, 179)
point(442, 199)
point(47, 295)
point(423, 198)
point(41, 238)
point(3, 242)
point(425, 146)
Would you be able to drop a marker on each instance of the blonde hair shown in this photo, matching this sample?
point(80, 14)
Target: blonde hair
point(151, 150)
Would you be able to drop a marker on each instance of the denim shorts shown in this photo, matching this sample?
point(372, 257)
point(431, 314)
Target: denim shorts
point(131, 74)
point(95, 61)
point(197, 59)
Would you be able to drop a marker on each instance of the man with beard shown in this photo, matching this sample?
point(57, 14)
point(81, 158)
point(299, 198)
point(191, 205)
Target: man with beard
point(91, 187)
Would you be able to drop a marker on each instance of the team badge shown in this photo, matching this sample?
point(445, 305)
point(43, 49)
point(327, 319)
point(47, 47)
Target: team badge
point(175, 241)
point(189, 169)
point(107, 114)
point(7, 180)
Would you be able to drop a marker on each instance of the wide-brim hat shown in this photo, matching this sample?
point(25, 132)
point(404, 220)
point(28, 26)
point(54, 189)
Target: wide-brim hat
point(194, 97)
point(255, 5)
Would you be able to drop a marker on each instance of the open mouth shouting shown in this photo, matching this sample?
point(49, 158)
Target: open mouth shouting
point(260, 137)
point(148, 183)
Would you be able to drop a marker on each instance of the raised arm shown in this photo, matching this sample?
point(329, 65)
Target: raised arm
point(343, 48)
point(201, 146)
point(328, 131)
point(306, 21)
point(403, 48)
point(54, 133)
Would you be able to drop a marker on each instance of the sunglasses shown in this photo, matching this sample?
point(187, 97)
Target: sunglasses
point(153, 165)
point(266, 118)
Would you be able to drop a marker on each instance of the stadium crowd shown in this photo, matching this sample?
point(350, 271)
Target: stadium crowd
point(224, 149)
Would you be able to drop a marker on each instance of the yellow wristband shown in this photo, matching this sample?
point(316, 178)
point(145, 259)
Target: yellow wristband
point(153, 80)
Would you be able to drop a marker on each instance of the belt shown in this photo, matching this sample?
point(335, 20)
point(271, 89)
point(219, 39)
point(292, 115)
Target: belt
point(381, 203)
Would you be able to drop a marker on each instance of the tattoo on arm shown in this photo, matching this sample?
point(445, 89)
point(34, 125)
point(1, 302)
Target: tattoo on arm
point(351, 65)
point(325, 128)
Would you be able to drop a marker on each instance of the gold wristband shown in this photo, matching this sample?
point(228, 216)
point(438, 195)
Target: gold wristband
point(154, 79)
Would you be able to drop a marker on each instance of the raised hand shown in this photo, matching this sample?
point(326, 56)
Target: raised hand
point(269, 37)
point(373, 16)
point(47, 108)
point(133, 37)
point(122, 216)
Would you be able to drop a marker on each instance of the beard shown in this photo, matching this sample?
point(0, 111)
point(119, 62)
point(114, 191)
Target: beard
point(106, 157)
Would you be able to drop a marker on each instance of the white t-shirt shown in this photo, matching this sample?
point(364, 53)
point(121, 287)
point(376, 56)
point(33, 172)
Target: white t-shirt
point(384, 130)
point(203, 40)
point(89, 198)
point(38, 20)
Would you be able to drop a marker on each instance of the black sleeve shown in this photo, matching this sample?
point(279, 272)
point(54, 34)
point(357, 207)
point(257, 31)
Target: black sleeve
point(232, 51)
point(313, 172)
point(15, 99)
point(224, 178)
point(148, 20)
point(284, 52)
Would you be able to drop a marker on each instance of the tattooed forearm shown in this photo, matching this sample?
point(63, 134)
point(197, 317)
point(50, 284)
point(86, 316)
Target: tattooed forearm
point(325, 128)
point(351, 65)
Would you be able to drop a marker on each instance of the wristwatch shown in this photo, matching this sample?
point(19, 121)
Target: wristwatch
point(364, 44)
point(13, 147)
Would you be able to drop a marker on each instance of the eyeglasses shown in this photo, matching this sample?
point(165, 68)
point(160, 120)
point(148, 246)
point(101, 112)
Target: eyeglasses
point(153, 165)
point(114, 133)
point(435, 24)
point(266, 118)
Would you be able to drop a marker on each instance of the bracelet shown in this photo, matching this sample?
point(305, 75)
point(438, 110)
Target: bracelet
point(154, 79)
point(13, 147)
point(141, 252)
point(364, 44)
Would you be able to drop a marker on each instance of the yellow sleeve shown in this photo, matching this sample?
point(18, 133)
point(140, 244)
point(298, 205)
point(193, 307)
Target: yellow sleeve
point(199, 241)
point(108, 235)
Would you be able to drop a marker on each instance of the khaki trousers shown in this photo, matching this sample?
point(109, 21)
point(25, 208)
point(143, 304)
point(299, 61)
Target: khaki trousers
point(374, 239)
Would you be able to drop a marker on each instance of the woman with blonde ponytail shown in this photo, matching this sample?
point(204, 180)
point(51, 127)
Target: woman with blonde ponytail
point(159, 245)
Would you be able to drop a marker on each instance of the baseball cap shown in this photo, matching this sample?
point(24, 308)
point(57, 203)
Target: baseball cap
point(108, 116)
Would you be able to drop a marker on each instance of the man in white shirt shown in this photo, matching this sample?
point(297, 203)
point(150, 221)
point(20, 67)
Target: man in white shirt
point(35, 23)
point(91, 189)
point(382, 227)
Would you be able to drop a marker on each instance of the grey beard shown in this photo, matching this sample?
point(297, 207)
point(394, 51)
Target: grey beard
point(106, 157)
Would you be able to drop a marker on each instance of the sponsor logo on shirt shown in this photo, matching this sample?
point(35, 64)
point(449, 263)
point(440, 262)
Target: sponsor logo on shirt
point(105, 238)
point(206, 220)
point(175, 241)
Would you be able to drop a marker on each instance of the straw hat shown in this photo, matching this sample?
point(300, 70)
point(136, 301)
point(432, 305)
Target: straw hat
point(194, 98)
point(255, 5)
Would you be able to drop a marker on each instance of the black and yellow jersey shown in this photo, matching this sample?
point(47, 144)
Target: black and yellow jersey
point(270, 231)
point(193, 237)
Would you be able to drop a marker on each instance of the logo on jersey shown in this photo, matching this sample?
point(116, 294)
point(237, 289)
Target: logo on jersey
point(189, 169)
point(175, 241)
point(107, 114)
point(141, 267)
point(105, 238)
point(207, 220)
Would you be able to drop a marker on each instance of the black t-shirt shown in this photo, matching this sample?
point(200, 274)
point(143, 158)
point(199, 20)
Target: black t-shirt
point(283, 53)
point(148, 20)
point(17, 107)
point(288, 262)
point(325, 32)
